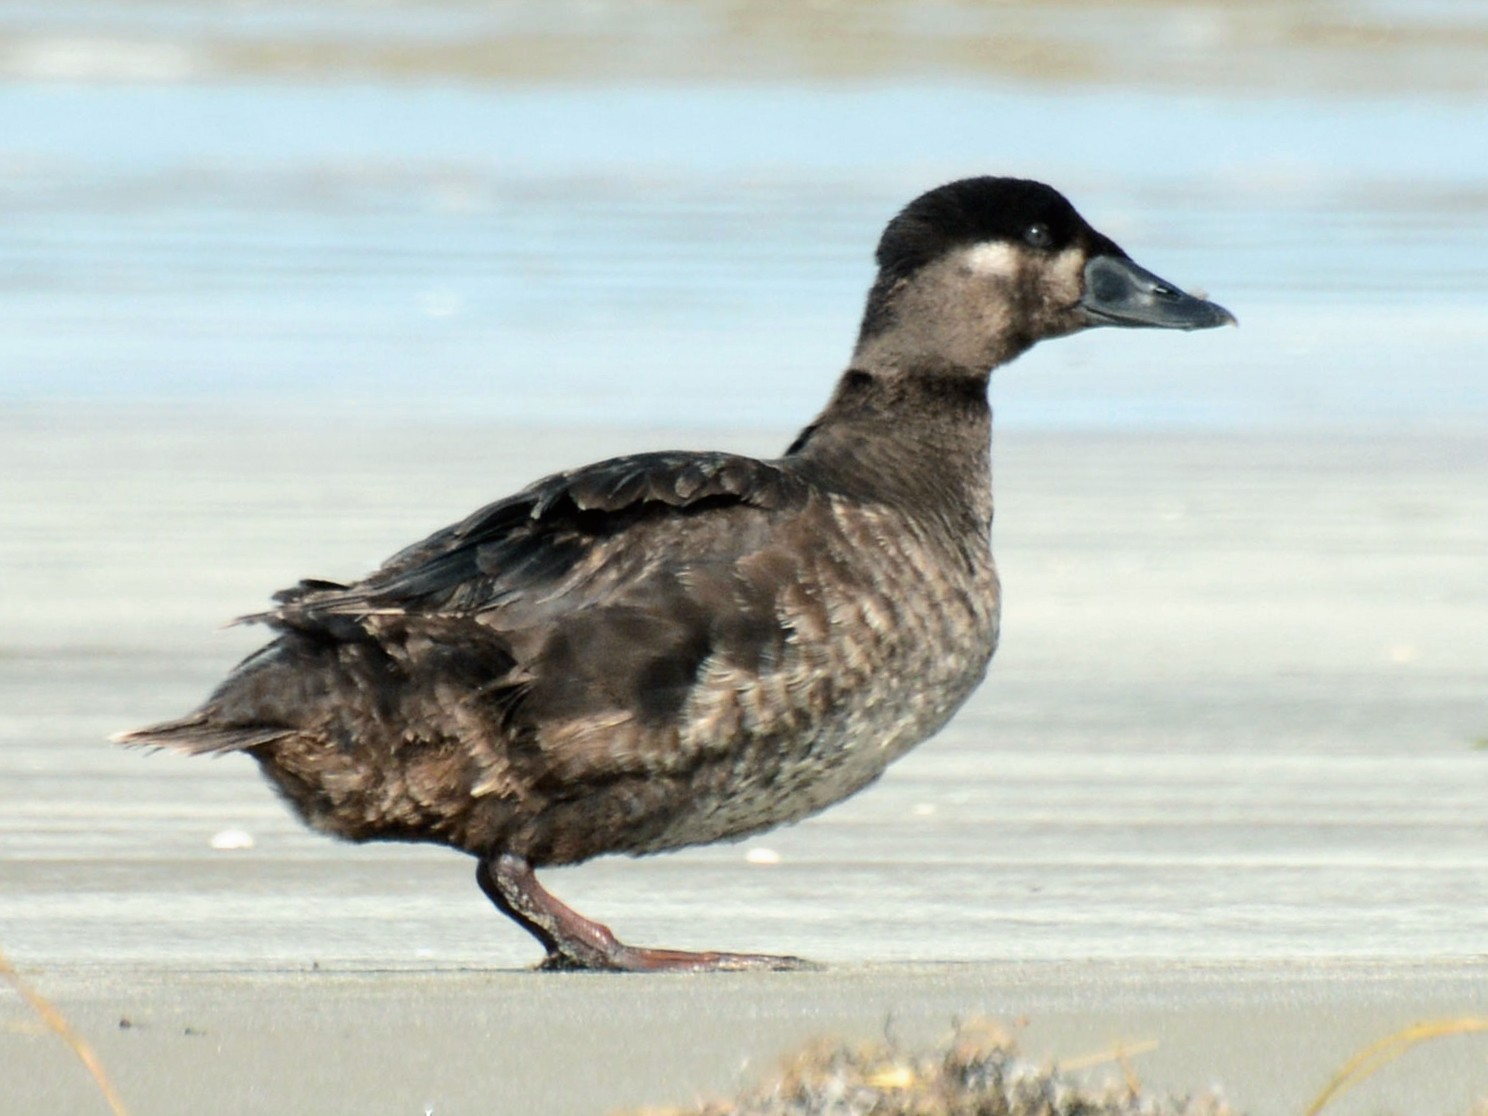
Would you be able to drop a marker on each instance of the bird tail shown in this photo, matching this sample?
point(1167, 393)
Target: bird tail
point(196, 735)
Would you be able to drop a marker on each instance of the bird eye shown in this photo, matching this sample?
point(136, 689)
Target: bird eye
point(1038, 236)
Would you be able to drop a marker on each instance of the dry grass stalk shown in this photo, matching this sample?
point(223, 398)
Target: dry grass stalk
point(59, 1026)
point(1386, 1050)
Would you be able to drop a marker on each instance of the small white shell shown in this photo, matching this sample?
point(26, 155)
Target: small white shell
point(762, 856)
point(231, 839)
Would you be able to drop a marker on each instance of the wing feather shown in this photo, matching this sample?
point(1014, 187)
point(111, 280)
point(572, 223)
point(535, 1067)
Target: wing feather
point(526, 544)
point(568, 626)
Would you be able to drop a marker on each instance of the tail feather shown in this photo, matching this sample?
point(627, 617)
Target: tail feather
point(196, 735)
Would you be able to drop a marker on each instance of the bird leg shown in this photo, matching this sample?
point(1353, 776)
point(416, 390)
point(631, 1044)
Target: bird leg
point(574, 942)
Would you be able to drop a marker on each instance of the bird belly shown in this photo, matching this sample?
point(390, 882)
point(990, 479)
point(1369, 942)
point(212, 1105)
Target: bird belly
point(784, 746)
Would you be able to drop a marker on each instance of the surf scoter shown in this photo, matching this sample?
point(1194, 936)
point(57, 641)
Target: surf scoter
point(670, 649)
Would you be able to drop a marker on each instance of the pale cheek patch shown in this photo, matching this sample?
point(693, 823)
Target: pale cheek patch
point(992, 257)
point(1066, 275)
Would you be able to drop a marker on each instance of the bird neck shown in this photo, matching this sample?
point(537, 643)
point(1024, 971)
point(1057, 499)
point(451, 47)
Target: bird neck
point(919, 438)
point(947, 314)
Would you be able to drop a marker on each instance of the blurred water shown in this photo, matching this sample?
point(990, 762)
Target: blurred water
point(669, 255)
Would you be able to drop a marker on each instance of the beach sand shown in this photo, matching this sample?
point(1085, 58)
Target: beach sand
point(1224, 789)
point(366, 1041)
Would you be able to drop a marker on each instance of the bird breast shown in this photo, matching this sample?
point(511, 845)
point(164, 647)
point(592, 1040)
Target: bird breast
point(889, 626)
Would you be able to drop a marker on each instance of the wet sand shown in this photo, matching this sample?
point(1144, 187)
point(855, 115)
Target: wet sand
point(1224, 788)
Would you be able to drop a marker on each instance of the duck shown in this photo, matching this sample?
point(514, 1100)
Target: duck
point(671, 649)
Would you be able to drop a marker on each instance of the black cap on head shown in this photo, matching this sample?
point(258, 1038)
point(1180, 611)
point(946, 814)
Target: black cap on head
point(974, 210)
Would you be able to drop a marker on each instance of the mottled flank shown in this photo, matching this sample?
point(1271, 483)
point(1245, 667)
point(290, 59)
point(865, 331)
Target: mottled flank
point(977, 1072)
point(676, 648)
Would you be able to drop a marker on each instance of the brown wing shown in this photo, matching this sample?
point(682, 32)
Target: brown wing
point(522, 549)
point(560, 631)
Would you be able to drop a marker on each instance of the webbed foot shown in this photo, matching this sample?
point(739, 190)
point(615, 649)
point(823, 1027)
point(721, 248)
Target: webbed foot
point(578, 944)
